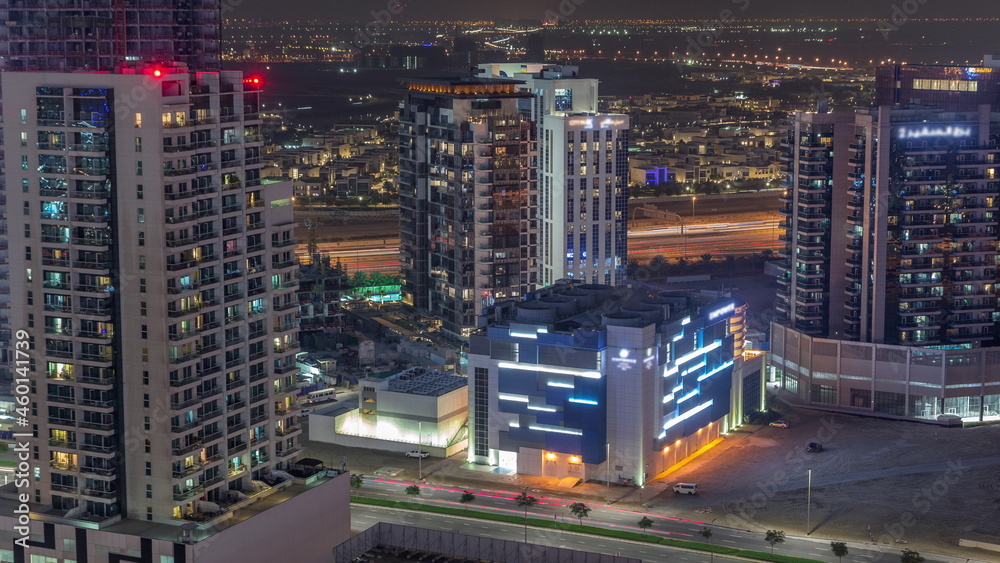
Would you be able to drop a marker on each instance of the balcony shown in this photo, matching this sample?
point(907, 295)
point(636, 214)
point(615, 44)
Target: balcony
point(188, 493)
point(287, 452)
point(184, 450)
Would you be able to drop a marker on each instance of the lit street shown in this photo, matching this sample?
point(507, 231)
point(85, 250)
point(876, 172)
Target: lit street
point(620, 517)
point(714, 238)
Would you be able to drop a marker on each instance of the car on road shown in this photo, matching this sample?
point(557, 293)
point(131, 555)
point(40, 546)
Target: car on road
point(814, 447)
point(778, 424)
point(417, 453)
point(686, 488)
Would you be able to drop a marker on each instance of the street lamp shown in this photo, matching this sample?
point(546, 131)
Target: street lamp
point(420, 452)
point(692, 204)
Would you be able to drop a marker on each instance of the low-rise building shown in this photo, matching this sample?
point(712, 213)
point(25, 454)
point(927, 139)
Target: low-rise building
point(417, 408)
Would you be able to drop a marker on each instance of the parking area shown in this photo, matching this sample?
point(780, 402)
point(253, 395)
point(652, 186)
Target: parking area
point(875, 480)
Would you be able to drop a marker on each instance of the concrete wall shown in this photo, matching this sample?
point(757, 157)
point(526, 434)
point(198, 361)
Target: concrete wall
point(463, 545)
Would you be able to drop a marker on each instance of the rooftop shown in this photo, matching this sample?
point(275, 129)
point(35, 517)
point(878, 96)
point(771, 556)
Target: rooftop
point(423, 381)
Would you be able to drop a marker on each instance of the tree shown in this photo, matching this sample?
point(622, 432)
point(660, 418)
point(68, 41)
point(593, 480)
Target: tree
point(656, 264)
point(839, 549)
point(579, 510)
point(413, 491)
point(525, 501)
point(706, 533)
point(774, 537)
point(631, 267)
point(645, 523)
point(466, 498)
point(357, 480)
point(910, 556)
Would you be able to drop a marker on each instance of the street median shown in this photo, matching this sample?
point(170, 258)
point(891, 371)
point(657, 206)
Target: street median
point(583, 529)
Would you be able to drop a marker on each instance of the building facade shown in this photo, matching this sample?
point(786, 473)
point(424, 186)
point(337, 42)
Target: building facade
point(155, 274)
point(97, 36)
point(581, 380)
point(918, 263)
point(891, 237)
point(583, 174)
point(468, 192)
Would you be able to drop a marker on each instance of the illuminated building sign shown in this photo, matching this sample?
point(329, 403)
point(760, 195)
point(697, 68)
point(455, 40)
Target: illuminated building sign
point(954, 131)
point(721, 311)
point(602, 122)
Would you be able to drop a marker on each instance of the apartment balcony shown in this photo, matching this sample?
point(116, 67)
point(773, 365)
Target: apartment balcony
point(288, 430)
point(187, 426)
point(92, 265)
point(188, 493)
point(107, 472)
point(281, 370)
point(184, 450)
point(234, 471)
point(237, 448)
point(97, 425)
point(62, 466)
point(258, 418)
point(209, 438)
point(95, 358)
point(261, 375)
point(288, 452)
point(259, 461)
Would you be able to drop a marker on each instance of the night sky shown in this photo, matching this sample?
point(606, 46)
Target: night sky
point(344, 10)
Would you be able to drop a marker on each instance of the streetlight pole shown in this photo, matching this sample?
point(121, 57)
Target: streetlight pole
point(420, 452)
point(607, 464)
point(809, 492)
point(692, 204)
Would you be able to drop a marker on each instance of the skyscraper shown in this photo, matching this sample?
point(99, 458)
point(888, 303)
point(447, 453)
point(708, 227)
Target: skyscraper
point(583, 180)
point(98, 35)
point(155, 271)
point(912, 184)
point(891, 236)
point(468, 194)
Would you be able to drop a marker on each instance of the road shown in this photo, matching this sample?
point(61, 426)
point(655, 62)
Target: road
point(644, 243)
point(610, 517)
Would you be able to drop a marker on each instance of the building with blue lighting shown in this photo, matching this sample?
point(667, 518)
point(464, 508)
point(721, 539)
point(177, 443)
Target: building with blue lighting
point(594, 382)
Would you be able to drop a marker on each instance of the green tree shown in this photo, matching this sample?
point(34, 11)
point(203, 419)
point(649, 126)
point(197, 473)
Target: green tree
point(357, 480)
point(413, 491)
point(579, 510)
point(839, 549)
point(774, 537)
point(525, 501)
point(706, 533)
point(910, 556)
point(466, 498)
point(645, 523)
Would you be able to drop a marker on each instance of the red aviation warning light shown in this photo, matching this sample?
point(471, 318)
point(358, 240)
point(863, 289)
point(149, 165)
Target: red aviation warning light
point(157, 73)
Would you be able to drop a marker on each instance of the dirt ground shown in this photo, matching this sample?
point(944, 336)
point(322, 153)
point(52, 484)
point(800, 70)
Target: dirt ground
point(876, 480)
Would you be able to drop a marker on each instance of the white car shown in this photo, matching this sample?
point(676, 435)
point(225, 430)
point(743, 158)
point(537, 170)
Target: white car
point(779, 424)
point(417, 453)
point(305, 412)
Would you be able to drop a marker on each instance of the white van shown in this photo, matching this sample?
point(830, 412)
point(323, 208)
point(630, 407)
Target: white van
point(321, 396)
point(686, 488)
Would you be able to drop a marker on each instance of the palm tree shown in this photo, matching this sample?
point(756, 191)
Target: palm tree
point(413, 491)
point(632, 267)
point(656, 264)
point(706, 533)
point(466, 498)
point(910, 556)
point(729, 261)
point(357, 480)
point(839, 549)
point(525, 501)
point(774, 537)
point(645, 523)
point(579, 510)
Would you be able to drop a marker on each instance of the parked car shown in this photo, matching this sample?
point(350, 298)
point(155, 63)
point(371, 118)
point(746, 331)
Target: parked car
point(305, 412)
point(779, 424)
point(686, 488)
point(814, 447)
point(417, 453)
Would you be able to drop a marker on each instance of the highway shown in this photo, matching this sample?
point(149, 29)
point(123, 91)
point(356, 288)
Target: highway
point(382, 255)
point(610, 517)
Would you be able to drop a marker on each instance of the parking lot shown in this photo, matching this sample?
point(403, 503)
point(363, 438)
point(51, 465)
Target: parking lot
point(876, 480)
